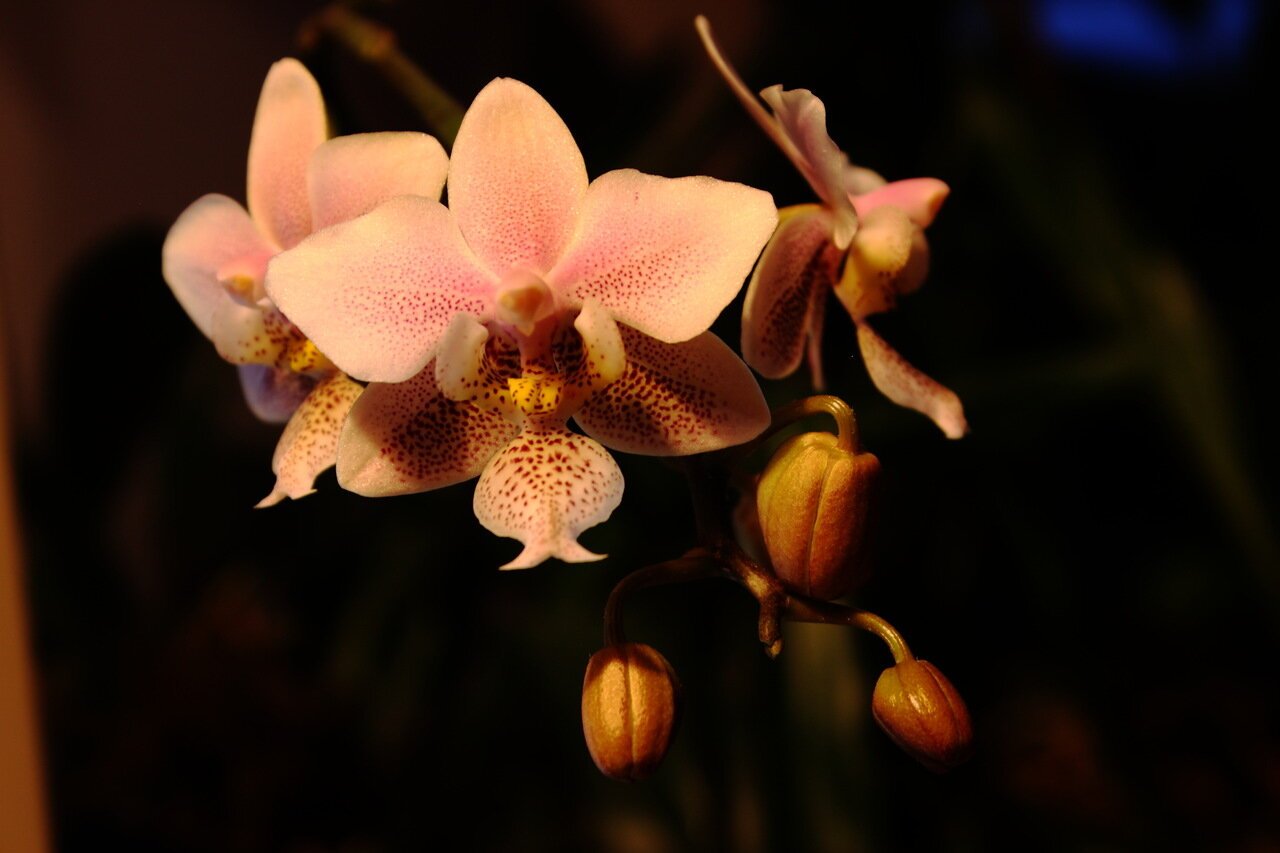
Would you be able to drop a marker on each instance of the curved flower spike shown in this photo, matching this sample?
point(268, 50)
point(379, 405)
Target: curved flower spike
point(535, 297)
point(866, 241)
point(215, 259)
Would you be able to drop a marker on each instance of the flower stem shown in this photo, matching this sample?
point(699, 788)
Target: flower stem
point(376, 45)
point(694, 565)
point(846, 421)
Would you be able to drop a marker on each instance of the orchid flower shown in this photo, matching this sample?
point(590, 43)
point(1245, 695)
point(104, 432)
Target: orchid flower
point(215, 260)
point(865, 241)
point(534, 297)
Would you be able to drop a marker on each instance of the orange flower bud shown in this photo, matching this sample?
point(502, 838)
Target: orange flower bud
point(920, 710)
point(814, 501)
point(630, 707)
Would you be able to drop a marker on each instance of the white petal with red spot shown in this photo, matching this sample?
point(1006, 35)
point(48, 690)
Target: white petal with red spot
point(376, 293)
point(309, 444)
point(676, 399)
point(664, 255)
point(288, 126)
point(794, 276)
point(545, 488)
point(351, 175)
point(253, 334)
point(408, 437)
point(463, 371)
point(211, 237)
point(907, 386)
point(516, 179)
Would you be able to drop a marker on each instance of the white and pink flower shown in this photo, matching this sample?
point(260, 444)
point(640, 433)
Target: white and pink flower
point(865, 241)
point(215, 259)
point(534, 297)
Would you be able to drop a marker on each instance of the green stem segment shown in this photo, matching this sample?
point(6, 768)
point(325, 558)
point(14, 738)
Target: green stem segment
point(376, 45)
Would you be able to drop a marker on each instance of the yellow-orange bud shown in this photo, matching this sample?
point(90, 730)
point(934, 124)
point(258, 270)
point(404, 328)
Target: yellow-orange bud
point(814, 502)
point(922, 712)
point(630, 707)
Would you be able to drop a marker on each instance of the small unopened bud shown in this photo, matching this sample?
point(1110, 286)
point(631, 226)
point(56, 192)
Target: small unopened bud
point(920, 710)
point(630, 707)
point(814, 502)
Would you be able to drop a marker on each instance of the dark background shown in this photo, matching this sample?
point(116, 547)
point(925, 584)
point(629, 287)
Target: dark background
point(1095, 566)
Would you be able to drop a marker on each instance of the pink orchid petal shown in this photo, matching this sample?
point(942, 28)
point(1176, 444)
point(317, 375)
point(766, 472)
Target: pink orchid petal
point(273, 395)
point(465, 371)
point(859, 179)
point(351, 175)
point(210, 235)
point(804, 119)
point(676, 399)
point(288, 126)
point(787, 290)
point(376, 293)
point(407, 437)
point(309, 444)
point(664, 255)
point(907, 386)
point(919, 198)
point(254, 334)
point(544, 488)
point(516, 179)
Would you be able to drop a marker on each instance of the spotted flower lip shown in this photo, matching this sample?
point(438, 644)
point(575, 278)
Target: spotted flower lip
point(534, 297)
point(215, 259)
point(865, 242)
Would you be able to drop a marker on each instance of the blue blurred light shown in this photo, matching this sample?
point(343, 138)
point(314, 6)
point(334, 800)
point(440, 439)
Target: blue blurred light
point(1140, 36)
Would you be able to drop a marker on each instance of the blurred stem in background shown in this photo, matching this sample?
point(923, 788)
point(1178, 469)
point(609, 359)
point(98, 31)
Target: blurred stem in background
point(376, 45)
point(1164, 338)
point(23, 826)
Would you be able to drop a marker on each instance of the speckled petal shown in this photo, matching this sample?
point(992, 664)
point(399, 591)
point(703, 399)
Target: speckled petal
point(273, 395)
point(787, 290)
point(407, 437)
point(309, 444)
point(664, 255)
point(376, 293)
point(545, 488)
point(919, 198)
point(516, 179)
point(289, 125)
point(254, 334)
point(803, 118)
point(676, 399)
point(212, 236)
point(467, 372)
point(907, 386)
point(351, 175)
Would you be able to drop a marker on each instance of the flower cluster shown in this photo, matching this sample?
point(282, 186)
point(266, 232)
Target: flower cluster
point(414, 345)
point(481, 327)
